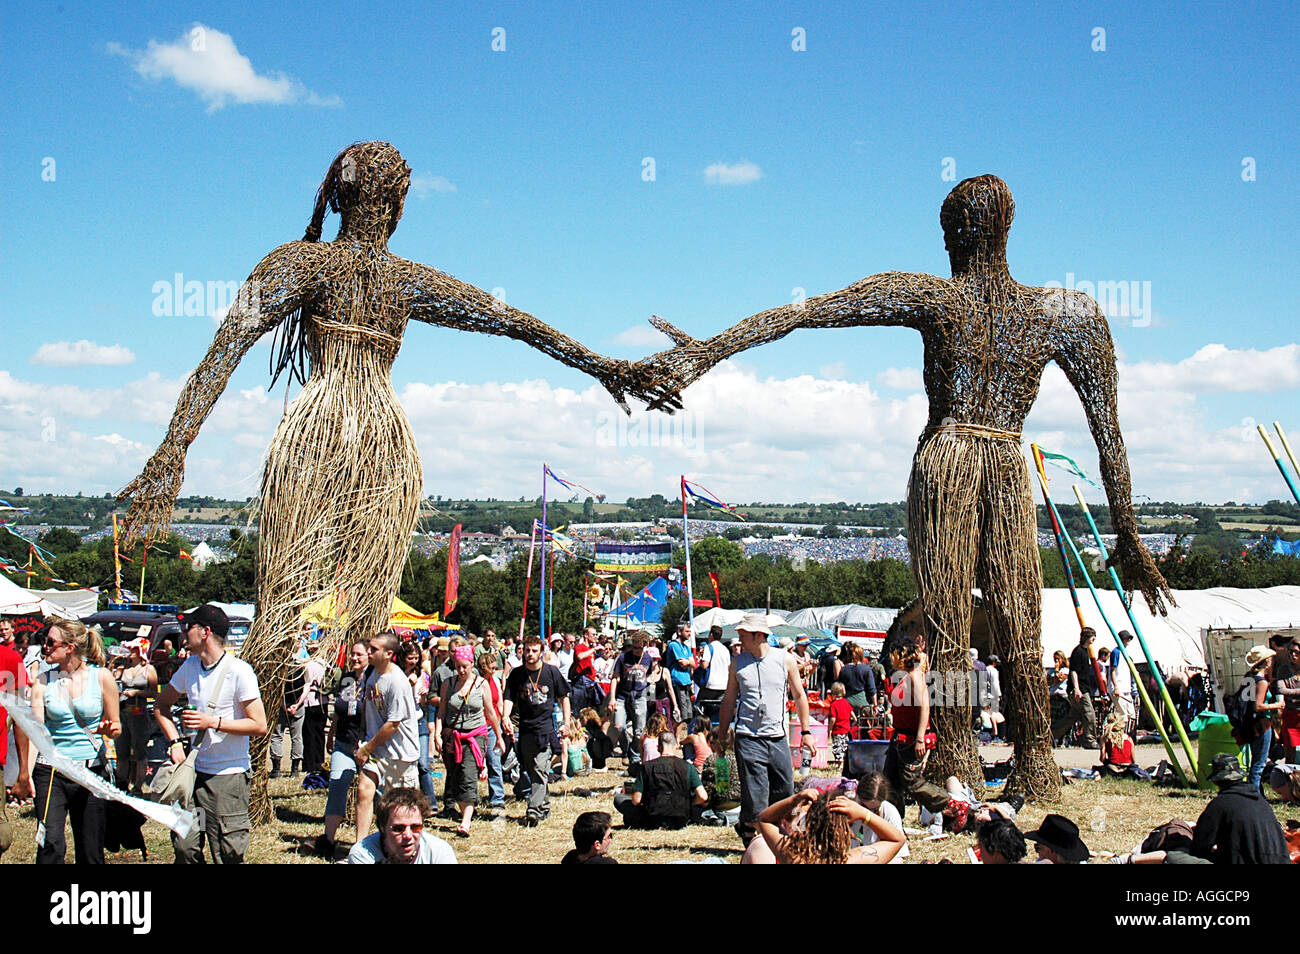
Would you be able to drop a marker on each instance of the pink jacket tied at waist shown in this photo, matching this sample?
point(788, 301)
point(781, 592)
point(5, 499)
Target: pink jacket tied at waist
point(459, 738)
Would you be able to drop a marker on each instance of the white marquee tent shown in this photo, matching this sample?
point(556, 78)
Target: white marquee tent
point(69, 604)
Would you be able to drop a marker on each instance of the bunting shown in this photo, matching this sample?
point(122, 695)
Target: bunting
point(703, 495)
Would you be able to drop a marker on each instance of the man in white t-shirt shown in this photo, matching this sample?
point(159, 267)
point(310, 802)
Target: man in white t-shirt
point(401, 839)
point(224, 708)
point(715, 658)
point(1121, 680)
point(389, 757)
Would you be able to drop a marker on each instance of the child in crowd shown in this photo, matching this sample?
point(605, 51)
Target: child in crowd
point(577, 761)
point(650, 741)
point(841, 718)
point(696, 748)
point(599, 745)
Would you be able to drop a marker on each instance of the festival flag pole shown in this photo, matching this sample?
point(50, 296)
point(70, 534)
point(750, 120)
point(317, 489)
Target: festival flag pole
point(144, 558)
point(541, 589)
point(30, 551)
point(117, 563)
point(1286, 446)
point(1147, 705)
point(1137, 631)
point(686, 542)
point(528, 579)
point(550, 598)
point(1058, 531)
point(1277, 459)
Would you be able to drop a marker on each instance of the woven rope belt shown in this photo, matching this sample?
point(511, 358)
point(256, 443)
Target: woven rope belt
point(973, 430)
point(386, 342)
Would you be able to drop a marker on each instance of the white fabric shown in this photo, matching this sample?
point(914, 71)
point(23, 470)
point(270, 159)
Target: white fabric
point(719, 665)
point(433, 851)
point(862, 835)
point(219, 753)
point(389, 698)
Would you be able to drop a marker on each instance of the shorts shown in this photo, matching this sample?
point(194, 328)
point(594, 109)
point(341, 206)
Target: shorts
point(392, 773)
point(839, 745)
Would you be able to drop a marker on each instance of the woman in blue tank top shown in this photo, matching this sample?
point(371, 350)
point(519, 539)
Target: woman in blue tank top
point(79, 704)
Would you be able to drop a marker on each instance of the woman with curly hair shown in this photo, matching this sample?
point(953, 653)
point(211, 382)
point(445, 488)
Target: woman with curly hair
point(821, 830)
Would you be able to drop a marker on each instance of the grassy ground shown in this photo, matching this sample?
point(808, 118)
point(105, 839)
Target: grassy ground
point(1113, 815)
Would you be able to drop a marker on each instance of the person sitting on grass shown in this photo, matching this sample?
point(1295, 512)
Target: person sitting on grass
point(600, 747)
point(823, 835)
point(873, 794)
point(1238, 827)
point(663, 795)
point(577, 761)
point(695, 747)
point(1117, 748)
point(592, 838)
point(401, 839)
point(655, 727)
point(1000, 842)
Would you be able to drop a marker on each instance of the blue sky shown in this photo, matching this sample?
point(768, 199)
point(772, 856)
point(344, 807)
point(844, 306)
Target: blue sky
point(1126, 164)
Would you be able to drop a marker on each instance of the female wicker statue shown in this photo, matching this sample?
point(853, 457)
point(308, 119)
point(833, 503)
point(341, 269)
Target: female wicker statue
point(342, 479)
point(970, 512)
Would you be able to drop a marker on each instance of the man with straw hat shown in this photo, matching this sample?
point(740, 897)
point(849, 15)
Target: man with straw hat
point(756, 694)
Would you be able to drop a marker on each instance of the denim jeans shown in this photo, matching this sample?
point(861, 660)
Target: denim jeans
point(426, 773)
point(496, 778)
point(631, 743)
point(343, 769)
point(1259, 757)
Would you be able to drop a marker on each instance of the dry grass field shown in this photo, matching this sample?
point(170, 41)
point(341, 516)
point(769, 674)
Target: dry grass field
point(1113, 815)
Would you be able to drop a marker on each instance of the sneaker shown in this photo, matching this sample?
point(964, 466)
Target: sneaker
point(497, 806)
point(324, 847)
point(532, 820)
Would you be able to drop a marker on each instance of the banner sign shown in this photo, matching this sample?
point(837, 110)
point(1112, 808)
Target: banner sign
point(453, 573)
point(634, 557)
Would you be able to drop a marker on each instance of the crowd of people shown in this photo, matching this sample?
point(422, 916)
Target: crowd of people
point(710, 734)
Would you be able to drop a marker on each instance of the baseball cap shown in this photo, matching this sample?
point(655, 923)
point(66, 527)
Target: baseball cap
point(213, 617)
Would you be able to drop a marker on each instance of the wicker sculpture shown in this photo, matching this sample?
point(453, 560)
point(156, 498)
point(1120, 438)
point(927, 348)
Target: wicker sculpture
point(342, 480)
point(970, 511)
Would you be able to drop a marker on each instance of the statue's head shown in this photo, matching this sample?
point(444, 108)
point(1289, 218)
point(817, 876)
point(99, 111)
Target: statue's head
point(366, 183)
point(976, 217)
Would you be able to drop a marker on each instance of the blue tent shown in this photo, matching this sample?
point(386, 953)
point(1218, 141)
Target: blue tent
point(1283, 548)
point(648, 605)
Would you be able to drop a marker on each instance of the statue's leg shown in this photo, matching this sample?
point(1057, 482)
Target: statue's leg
point(1011, 577)
point(942, 530)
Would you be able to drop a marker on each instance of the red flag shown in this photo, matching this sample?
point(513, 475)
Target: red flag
point(184, 556)
point(701, 602)
point(453, 573)
point(713, 578)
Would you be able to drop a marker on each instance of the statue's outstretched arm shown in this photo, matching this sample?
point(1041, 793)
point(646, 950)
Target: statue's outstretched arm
point(440, 299)
point(276, 288)
point(890, 298)
point(1086, 353)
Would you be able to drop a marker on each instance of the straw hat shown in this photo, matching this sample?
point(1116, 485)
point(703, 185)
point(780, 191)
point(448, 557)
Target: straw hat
point(1257, 655)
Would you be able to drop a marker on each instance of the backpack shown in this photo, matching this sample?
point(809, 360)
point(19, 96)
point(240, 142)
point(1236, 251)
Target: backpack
point(1239, 707)
point(329, 683)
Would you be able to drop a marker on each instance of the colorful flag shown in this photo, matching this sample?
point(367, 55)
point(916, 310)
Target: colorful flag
point(1067, 465)
point(571, 484)
point(453, 573)
point(702, 495)
point(713, 578)
point(634, 557)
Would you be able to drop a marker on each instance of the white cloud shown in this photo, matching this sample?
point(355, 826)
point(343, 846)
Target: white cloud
point(1216, 368)
point(642, 336)
point(72, 354)
point(745, 436)
point(207, 62)
point(740, 173)
point(835, 370)
point(902, 379)
point(426, 184)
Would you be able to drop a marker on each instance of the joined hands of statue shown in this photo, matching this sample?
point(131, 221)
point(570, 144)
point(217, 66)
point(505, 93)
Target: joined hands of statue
point(623, 379)
point(670, 372)
point(1138, 571)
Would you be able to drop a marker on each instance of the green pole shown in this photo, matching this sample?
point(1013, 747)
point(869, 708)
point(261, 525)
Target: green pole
point(1147, 705)
point(1137, 631)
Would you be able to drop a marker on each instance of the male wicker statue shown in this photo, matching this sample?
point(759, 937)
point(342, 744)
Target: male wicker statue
point(970, 513)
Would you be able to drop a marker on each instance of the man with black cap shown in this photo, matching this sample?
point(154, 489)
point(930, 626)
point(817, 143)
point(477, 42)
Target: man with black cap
point(1058, 842)
point(224, 709)
point(1238, 827)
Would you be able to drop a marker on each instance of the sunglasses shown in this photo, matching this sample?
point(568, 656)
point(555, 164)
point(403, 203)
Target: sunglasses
point(51, 643)
point(398, 829)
